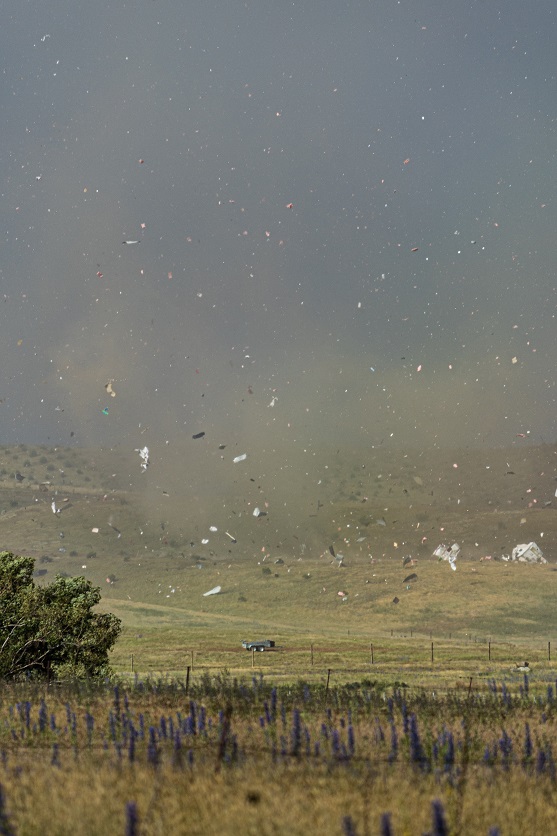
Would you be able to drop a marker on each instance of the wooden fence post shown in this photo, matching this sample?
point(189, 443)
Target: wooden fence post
point(432, 653)
point(187, 679)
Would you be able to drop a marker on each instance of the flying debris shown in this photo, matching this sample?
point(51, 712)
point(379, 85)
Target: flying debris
point(144, 455)
point(214, 591)
point(450, 555)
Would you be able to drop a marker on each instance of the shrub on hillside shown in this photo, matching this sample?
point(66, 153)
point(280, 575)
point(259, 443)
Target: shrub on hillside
point(51, 631)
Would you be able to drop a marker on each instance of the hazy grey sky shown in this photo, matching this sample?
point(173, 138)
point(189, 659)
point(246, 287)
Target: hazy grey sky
point(346, 215)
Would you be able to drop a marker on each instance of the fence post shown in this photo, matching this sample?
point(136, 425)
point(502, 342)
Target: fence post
point(311, 651)
point(328, 678)
point(549, 651)
point(432, 653)
point(132, 662)
point(371, 652)
point(489, 651)
point(187, 679)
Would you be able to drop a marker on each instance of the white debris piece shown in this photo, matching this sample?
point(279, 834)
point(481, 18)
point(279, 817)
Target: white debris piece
point(213, 528)
point(528, 553)
point(257, 512)
point(450, 555)
point(241, 458)
point(55, 510)
point(144, 456)
point(214, 591)
point(444, 553)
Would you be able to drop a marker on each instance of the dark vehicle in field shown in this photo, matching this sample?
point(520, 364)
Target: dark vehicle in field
point(260, 645)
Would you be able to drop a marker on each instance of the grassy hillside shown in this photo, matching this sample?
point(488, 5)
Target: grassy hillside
point(278, 573)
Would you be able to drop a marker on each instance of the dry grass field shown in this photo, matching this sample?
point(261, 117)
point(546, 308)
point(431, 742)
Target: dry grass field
point(316, 735)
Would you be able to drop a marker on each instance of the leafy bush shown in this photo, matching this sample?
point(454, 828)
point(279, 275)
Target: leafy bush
point(46, 631)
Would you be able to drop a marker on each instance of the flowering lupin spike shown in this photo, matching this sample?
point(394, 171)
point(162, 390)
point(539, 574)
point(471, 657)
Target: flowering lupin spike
point(440, 827)
point(132, 819)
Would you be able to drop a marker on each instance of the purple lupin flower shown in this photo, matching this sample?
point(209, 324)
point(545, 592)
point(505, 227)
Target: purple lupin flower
point(152, 749)
point(268, 715)
point(351, 740)
point(449, 753)
point(348, 826)
point(393, 754)
point(43, 717)
point(528, 747)
point(417, 754)
point(55, 759)
point(385, 825)
point(112, 725)
point(296, 734)
point(440, 827)
point(116, 700)
point(131, 748)
point(132, 819)
point(506, 747)
point(89, 725)
point(193, 712)
point(6, 828)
